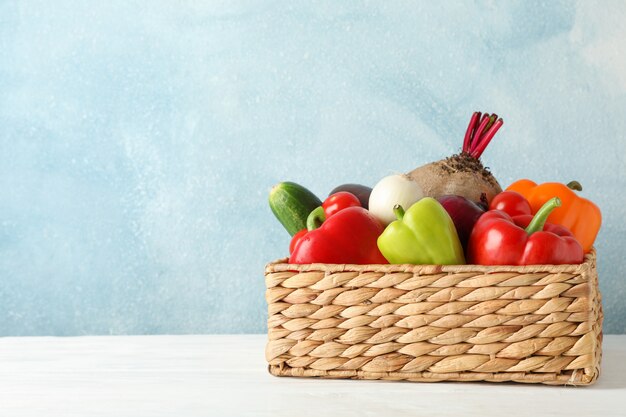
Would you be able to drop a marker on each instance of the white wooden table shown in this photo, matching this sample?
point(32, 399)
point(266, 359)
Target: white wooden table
point(186, 376)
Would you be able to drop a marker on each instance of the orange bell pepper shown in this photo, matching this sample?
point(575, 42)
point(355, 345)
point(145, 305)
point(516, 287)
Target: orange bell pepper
point(579, 215)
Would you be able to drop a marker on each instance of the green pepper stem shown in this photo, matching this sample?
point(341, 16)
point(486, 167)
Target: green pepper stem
point(574, 185)
point(398, 211)
point(315, 218)
point(539, 220)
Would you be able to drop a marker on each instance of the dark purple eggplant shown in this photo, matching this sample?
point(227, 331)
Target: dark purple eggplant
point(362, 192)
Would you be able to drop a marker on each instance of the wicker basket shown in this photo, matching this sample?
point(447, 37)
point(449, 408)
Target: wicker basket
point(538, 323)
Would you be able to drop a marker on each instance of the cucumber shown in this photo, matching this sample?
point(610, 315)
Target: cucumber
point(291, 203)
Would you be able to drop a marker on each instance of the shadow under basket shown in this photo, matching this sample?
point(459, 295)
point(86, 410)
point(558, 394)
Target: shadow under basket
point(535, 324)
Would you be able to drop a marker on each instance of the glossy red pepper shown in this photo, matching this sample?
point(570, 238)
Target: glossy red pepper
point(499, 239)
point(348, 236)
point(333, 204)
point(295, 239)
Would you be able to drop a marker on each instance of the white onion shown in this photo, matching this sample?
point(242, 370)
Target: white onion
point(392, 190)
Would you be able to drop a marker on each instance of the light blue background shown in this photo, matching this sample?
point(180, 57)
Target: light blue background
point(140, 139)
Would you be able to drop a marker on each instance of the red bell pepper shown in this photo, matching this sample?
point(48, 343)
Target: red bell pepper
point(334, 203)
point(296, 238)
point(348, 235)
point(499, 239)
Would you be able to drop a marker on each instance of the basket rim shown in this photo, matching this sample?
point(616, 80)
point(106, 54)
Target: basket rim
point(282, 265)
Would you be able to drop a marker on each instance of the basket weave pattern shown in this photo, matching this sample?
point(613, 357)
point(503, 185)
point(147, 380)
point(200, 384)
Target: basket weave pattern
point(538, 323)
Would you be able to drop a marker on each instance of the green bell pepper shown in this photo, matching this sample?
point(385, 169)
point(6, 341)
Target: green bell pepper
point(424, 235)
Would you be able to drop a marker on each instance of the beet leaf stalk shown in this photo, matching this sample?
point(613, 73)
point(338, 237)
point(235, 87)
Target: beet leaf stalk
point(481, 129)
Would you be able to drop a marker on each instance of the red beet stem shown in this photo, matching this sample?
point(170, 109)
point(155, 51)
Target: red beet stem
point(485, 116)
point(479, 137)
point(473, 136)
point(492, 120)
point(479, 133)
point(470, 132)
point(486, 138)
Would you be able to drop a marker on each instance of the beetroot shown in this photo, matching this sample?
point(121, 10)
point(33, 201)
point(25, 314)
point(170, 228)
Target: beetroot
point(463, 174)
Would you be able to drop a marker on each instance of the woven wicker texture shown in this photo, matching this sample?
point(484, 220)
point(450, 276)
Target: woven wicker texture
point(539, 323)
